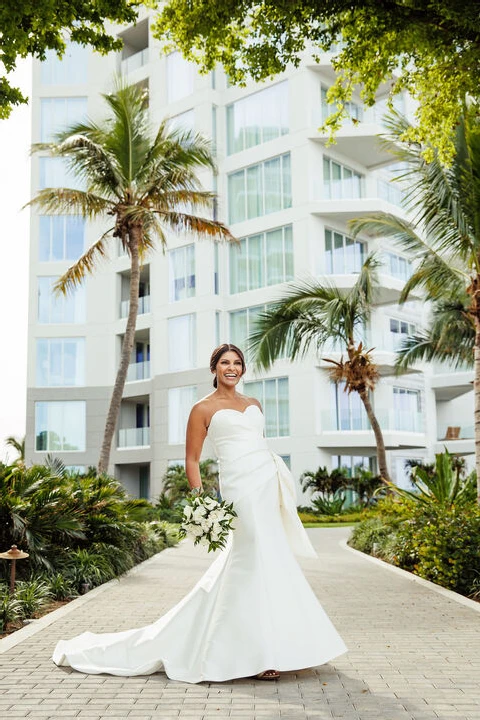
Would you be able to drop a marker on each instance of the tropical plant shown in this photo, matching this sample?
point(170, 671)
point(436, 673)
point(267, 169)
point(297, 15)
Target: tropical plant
point(60, 587)
point(9, 607)
point(443, 237)
point(314, 314)
point(145, 181)
point(36, 512)
point(84, 567)
point(18, 446)
point(176, 488)
point(445, 485)
point(32, 596)
point(367, 485)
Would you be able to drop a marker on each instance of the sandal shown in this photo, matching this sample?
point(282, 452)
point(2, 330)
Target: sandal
point(268, 675)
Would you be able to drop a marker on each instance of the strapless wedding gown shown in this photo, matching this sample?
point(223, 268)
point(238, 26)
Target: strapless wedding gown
point(253, 609)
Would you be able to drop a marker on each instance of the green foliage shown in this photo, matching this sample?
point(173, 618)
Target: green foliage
point(330, 504)
point(435, 541)
point(86, 567)
point(60, 587)
point(32, 596)
point(429, 49)
point(444, 484)
point(176, 488)
point(32, 28)
point(10, 607)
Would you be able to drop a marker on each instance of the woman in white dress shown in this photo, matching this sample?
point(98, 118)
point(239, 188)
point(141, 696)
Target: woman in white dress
point(252, 612)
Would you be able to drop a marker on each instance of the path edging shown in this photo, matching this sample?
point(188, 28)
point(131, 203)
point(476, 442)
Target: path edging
point(450, 594)
point(37, 625)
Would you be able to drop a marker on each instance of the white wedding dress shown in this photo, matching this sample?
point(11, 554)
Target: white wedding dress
point(253, 609)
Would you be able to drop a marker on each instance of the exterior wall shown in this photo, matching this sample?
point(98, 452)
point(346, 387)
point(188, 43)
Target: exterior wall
point(310, 442)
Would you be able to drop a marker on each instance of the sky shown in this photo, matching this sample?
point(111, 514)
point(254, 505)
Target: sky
point(15, 136)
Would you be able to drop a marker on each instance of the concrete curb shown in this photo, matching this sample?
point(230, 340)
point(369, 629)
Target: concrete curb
point(37, 625)
point(450, 594)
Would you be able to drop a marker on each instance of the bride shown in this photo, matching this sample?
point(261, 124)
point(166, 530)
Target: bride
point(252, 612)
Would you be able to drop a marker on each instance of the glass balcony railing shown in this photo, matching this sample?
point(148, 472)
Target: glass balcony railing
point(134, 62)
point(389, 192)
point(143, 306)
point(138, 371)
point(455, 432)
point(357, 420)
point(133, 437)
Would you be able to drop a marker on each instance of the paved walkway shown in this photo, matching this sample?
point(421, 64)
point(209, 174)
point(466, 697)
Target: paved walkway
point(413, 653)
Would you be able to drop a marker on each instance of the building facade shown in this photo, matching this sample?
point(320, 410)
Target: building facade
point(287, 195)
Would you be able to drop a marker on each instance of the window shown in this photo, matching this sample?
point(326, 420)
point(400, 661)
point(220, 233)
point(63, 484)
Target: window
point(407, 410)
point(60, 361)
point(71, 69)
point(54, 173)
point(180, 77)
point(261, 260)
point(399, 330)
point(273, 395)
point(52, 308)
point(287, 460)
point(182, 349)
point(58, 114)
point(180, 401)
point(342, 254)
point(349, 410)
point(181, 265)
point(398, 266)
point(355, 111)
point(62, 237)
point(260, 189)
point(60, 426)
point(352, 463)
point(390, 193)
point(183, 121)
point(257, 118)
point(242, 324)
point(340, 181)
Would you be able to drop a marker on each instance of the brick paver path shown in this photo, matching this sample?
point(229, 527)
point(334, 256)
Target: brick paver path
point(413, 653)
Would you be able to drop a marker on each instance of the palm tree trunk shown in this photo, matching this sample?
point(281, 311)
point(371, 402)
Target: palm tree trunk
point(476, 388)
point(379, 441)
point(134, 237)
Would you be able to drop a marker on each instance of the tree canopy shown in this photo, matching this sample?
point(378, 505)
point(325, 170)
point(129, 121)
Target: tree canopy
point(430, 48)
point(31, 27)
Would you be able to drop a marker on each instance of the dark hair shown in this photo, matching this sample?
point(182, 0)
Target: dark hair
point(221, 350)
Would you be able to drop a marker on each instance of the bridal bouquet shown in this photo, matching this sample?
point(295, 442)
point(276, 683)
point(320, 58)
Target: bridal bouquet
point(207, 521)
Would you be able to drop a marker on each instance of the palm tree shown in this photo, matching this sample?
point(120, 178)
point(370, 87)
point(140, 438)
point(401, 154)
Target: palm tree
point(312, 314)
point(444, 238)
point(145, 181)
point(18, 445)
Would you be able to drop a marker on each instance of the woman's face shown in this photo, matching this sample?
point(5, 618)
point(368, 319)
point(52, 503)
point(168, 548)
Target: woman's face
point(229, 369)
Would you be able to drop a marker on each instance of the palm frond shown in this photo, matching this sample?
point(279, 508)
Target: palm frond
point(183, 222)
point(57, 201)
point(85, 265)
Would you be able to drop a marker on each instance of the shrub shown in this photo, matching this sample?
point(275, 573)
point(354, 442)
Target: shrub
point(32, 596)
point(60, 587)
point(9, 607)
point(85, 567)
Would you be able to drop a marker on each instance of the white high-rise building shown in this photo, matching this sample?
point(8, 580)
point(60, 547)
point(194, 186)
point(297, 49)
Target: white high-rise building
point(288, 196)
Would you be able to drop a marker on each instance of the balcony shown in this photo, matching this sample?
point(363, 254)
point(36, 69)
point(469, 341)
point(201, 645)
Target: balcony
point(351, 433)
point(449, 382)
point(134, 62)
point(138, 371)
point(133, 437)
point(143, 306)
point(457, 439)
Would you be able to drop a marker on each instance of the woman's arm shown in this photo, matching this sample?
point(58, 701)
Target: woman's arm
point(196, 434)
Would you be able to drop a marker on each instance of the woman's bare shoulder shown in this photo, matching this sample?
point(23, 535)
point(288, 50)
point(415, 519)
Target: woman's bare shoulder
point(203, 407)
point(251, 401)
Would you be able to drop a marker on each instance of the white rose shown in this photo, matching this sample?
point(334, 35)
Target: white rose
point(187, 511)
point(210, 503)
point(217, 528)
point(199, 513)
point(196, 531)
point(206, 525)
point(205, 542)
